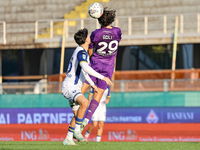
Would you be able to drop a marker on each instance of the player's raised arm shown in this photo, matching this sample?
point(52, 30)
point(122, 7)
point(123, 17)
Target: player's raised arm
point(89, 80)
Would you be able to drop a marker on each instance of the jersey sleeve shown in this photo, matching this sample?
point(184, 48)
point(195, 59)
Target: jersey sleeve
point(82, 56)
point(88, 79)
point(92, 41)
point(90, 71)
point(109, 94)
point(120, 34)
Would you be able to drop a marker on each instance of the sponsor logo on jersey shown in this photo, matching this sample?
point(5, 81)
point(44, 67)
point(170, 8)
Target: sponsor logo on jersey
point(107, 31)
point(84, 56)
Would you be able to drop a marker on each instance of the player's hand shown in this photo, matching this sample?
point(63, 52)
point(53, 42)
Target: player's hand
point(95, 88)
point(107, 101)
point(108, 81)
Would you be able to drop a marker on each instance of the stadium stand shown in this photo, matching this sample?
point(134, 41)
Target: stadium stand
point(80, 11)
point(26, 10)
point(39, 24)
point(20, 17)
point(152, 7)
point(138, 21)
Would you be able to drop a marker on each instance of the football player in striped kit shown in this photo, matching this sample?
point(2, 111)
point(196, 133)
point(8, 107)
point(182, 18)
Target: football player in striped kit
point(77, 73)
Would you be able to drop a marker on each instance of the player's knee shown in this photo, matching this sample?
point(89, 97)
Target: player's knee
point(84, 104)
point(101, 125)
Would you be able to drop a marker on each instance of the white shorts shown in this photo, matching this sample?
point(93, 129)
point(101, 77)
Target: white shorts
point(71, 93)
point(99, 114)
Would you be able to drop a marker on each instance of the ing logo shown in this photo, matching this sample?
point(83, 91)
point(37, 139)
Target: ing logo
point(33, 135)
point(129, 135)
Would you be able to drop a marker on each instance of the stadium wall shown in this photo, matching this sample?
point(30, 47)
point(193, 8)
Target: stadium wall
point(112, 132)
point(126, 99)
point(153, 124)
point(145, 116)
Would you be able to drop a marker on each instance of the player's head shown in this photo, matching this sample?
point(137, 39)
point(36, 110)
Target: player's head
point(107, 18)
point(81, 37)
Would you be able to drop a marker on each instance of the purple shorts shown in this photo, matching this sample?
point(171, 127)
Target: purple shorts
point(105, 70)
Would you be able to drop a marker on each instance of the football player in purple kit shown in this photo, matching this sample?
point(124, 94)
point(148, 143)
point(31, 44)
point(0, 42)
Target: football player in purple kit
point(105, 41)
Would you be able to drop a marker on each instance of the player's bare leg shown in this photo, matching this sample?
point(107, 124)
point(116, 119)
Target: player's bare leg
point(97, 96)
point(84, 88)
point(100, 131)
point(83, 102)
point(69, 138)
point(72, 122)
point(91, 127)
point(93, 106)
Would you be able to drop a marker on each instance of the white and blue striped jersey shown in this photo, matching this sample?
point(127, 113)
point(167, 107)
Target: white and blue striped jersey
point(75, 74)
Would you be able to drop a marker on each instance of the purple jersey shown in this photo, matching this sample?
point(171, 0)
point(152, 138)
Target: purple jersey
point(106, 42)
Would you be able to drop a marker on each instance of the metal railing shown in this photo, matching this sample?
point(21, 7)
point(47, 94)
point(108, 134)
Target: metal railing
point(54, 27)
point(118, 86)
point(3, 32)
point(156, 85)
point(148, 26)
point(134, 25)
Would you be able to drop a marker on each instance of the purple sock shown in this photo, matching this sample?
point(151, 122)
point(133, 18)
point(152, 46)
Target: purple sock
point(93, 106)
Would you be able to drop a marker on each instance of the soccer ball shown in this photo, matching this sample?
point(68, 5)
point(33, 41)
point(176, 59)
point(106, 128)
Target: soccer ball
point(95, 10)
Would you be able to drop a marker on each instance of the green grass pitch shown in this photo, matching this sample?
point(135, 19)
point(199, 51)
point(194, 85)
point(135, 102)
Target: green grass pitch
point(43, 145)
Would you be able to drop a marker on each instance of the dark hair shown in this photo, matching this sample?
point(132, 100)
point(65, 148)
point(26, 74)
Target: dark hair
point(107, 18)
point(80, 36)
